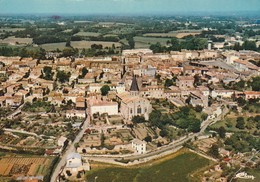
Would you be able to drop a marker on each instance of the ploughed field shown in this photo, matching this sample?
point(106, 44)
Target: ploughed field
point(23, 166)
point(178, 169)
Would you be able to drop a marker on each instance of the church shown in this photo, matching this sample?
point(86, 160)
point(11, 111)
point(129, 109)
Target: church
point(132, 104)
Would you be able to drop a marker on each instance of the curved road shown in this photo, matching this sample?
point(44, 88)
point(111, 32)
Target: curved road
point(169, 147)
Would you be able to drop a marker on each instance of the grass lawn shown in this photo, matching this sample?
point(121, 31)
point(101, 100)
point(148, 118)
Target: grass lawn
point(176, 168)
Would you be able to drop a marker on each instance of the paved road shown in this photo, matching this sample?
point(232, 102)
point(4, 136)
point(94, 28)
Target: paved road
point(69, 150)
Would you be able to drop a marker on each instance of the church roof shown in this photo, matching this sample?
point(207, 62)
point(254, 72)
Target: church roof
point(134, 85)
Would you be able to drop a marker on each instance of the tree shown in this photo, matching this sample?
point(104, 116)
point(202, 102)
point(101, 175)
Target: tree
point(67, 52)
point(104, 90)
point(255, 83)
point(63, 77)
point(194, 125)
point(197, 80)
point(175, 44)
point(241, 101)
point(222, 132)
point(138, 119)
point(214, 151)
point(68, 172)
point(240, 123)
point(154, 118)
point(148, 138)
point(157, 48)
point(237, 46)
point(84, 71)
point(39, 54)
point(23, 53)
point(163, 132)
point(1, 131)
point(198, 108)
point(249, 45)
point(168, 83)
point(68, 44)
point(131, 42)
point(47, 73)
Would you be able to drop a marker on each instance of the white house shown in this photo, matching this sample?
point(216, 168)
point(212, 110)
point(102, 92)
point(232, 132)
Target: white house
point(75, 164)
point(139, 146)
point(61, 141)
point(76, 113)
point(222, 93)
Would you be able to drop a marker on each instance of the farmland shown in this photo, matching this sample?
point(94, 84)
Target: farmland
point(11, 29)
point(173, 168)
point(77, 44)
point(178, 34)
point(87, 34)
point(13, 41)
point(53, 46)
point(25, 166)
point(145, 42)
point(87, 44)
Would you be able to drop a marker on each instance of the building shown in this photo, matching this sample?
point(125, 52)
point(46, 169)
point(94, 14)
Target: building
point(139, 146)
point(251, 95)
point(153, 92)
point(102, 107)
point(75, 164)
point(222, 93)
point(76, 113)
point(62, 141)
point(184, 82)
point(137, 52)
point(132, 104)
point(198, 99)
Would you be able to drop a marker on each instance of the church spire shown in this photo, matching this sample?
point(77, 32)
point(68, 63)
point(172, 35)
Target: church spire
point(134, 89)
point(134, 86)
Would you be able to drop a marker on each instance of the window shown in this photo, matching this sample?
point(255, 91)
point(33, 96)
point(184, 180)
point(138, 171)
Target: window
point(139, 110)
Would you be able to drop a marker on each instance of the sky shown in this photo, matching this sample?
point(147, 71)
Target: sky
point(123, 7)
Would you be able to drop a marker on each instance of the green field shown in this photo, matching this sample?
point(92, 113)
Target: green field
point(177, 169)
point(77, 44)
point(53, 46)
point(88, 34)
point(145, 42)
point(178, 34)
point(87, 44)
point(11, 29)
point(13, 40)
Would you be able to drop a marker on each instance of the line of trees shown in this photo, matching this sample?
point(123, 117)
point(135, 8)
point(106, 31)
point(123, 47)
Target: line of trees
point(189, 43)
point(37, 53)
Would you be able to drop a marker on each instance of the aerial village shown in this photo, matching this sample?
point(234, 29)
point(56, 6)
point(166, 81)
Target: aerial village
point(105, 103)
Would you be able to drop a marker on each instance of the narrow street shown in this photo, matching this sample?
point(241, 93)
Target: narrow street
point(69, 150)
